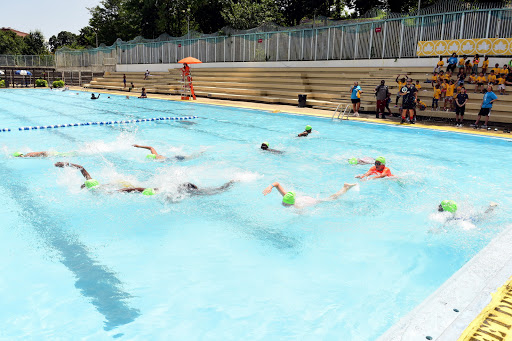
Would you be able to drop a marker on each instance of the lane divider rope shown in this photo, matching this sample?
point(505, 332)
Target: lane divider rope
point(100, 123)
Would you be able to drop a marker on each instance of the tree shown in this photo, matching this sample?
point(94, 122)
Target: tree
point(64, 38)
point(245, 14)
point(35, 44)
point(10, 43)
point(87, 37)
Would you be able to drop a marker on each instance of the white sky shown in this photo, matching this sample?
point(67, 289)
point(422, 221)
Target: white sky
point(48, 16)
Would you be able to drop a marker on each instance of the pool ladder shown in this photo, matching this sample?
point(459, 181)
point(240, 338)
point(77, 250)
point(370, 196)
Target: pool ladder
point(348, 109)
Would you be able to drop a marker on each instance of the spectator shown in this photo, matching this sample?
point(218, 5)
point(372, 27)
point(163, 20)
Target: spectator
point(143, 93)
point(508, 79)
point(409, 94)
point(489, 98)
point(437, 95)
point(476, 61)
point(492, 77)
point(131, 87)
point(480, 80)
point(496, 69)
point(418, 85)
point(439, 65)
point(388, 100)
point(501, 84)
point(124, 80)
point(146, 74)
point(433, 79)
point(355, 97)
point(460, 107)
point(444, 87)
point(485, 65)
point(461, 76)
point(472, 78)
point(401, 83)
point(469, 66)
point(504, 70)
point(421, 104)
point(450, 89)
point(462, 62)
point(452, 63)
point(381, 92)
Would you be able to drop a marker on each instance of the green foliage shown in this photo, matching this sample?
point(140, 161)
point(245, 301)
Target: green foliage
point(2, 83)
point(245, 14)
point(33, 44)
point(58, 84)
point(41, 83)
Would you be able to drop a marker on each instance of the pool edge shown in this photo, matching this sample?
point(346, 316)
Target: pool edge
point(468, 291)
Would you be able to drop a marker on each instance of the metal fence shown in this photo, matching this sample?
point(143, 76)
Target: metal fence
point(372, 39)
point(27, 60)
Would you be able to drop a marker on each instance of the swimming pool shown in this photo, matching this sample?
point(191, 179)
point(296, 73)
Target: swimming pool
point(236, 265)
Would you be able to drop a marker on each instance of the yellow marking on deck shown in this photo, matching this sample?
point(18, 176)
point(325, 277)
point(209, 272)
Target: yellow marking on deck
point(294, 110)
point(494, 323)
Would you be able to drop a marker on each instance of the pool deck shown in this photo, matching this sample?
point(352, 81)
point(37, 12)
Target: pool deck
point(277, 108)
point(475, 303)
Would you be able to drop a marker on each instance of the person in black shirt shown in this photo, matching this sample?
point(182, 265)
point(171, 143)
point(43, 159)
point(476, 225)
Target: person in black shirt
point(409, 95)
point(460, 106)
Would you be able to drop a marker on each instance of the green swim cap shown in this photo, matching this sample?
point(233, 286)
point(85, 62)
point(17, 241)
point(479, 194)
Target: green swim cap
point(266, 143)
point(149, 191)
point(381, 159)
point(308, 127)
point(17, 154)
point(352, 161)
point(91, 183)
point(449, 206)
point(151, 156)
point(289, 198)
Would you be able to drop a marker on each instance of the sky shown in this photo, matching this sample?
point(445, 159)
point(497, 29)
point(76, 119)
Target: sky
point(48, 16)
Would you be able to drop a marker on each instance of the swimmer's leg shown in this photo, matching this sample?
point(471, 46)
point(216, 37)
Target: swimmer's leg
point(342, 191)
point(86, 175)
point(217, 190)
point(189, 157)
point(132, 189)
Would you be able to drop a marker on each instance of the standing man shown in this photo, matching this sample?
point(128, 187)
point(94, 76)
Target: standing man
point(409, 95)
point(355, 97)
point(124, 80)
point(381, 92)
point(489, 98)
point(460, 106)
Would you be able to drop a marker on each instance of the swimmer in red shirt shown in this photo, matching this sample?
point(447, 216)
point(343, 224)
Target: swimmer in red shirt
point(379, 170)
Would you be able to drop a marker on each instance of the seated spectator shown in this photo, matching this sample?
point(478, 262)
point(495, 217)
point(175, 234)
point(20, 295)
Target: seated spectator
point(421, 105)
point(496, 69)
point(433, 79)
point(472, 78)
point(452, 63)
point(469, 67)
point(418, 85)
point(439, 65)
point(485, 65)
point(480, 80)
point(143, 94)
point(504, 70)
point(462, 62)
point(501, 84)
point(492, 77)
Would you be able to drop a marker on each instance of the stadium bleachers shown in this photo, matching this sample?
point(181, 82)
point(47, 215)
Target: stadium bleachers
point(325, 87)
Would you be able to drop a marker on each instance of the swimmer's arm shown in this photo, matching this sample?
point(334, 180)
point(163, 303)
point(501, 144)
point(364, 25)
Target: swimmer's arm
point(211, 191)
point(134, 189)
point(151, 149)
point(276, 185)
point(491, 207)
point(86, 175)
point(363, 175)
point(35, 154)
point(304, 133)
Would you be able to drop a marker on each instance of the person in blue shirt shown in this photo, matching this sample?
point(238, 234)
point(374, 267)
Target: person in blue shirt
point(355, 97)
point(489, 98)
point(452, 63)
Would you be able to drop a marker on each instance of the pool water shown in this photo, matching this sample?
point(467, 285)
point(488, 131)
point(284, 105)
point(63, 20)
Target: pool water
point(236, 265)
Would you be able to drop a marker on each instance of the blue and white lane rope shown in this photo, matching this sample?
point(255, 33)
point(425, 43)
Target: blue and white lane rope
point(5, 129)
point(100, 123)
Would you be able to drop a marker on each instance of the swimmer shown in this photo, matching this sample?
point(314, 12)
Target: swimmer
point(451, 206)
point(94, 97)
point(379, 170)
point(364, 161)
point(43, 154)
point(154, 155)
point(291, 199)
point(265, 147)
point(306, 131)
point(127, 97)
point(185, 188)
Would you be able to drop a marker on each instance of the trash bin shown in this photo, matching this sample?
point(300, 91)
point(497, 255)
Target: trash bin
point(302, 101)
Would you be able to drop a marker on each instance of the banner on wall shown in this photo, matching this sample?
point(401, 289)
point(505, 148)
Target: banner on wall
point(482, 46)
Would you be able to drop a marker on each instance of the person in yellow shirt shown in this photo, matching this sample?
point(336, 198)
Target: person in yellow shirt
point(485, 65)
point(450, 90)
point(469, 67)
point(472, 78)
point(444, 87)
point(492, 77)
point(501, 84)
point(401, 83)
point(439, 65)
point(496, 69)
point(462, 62)
point(448, 76)
point(504, 71)
point(480, 80)
point(476, 61)
point(421, 105)
point(418, 85)
point(433, 79)
point(437, 96)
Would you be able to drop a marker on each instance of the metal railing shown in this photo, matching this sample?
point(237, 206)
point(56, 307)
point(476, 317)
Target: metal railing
point(27, 61)
point(373, 39)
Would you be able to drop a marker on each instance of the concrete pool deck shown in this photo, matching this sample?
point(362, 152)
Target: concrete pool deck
point(457, 309)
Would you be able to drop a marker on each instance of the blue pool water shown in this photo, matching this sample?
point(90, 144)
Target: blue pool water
point(237, 265)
